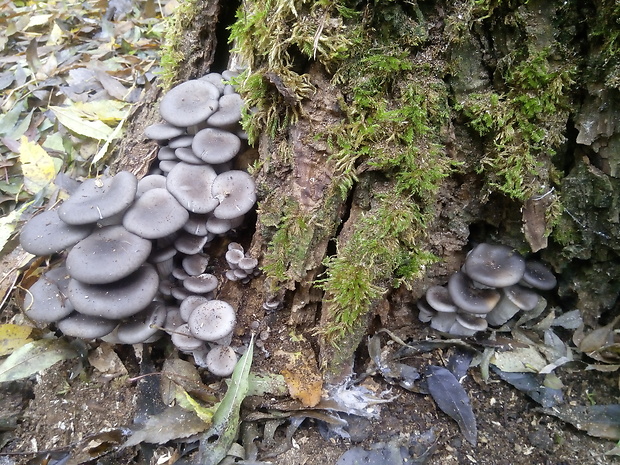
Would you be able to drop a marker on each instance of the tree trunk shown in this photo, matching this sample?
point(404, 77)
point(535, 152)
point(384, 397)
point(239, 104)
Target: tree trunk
point(391, 135)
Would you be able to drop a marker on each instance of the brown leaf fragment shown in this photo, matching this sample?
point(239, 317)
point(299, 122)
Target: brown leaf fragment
point(104, 359)
point(302, 376)
point(32, 56)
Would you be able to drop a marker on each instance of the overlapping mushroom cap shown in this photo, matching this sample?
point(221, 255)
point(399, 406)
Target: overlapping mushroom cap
point(100, 198)
point(107, 255)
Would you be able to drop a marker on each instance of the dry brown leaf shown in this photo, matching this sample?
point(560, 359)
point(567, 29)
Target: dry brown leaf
point(302, 375)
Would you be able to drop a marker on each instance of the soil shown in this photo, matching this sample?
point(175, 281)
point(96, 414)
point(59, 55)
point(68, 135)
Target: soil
point(73, 406)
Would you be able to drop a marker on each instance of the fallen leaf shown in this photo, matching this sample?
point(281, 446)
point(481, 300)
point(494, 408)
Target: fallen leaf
point(533, 386)
point(107, 361)
point(172, 423)
point(215, 443)
point(75, 122)
point(302, 375)
point(38, 167)
point(13, 337)
point(601, 421)
point(178, 378)
point(35, 357)
point(520, 359)
point(452, 399)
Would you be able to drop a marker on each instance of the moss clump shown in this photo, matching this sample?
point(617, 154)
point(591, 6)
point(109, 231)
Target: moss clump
point(524, 125)
point(171, 56)
point(275, 39)
point(383, 251)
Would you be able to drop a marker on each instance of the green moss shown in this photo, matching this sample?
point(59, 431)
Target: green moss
point(383, 251)
point(171, 56)
point(524, 125)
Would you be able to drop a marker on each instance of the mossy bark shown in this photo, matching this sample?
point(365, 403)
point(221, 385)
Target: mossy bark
point(468, 121)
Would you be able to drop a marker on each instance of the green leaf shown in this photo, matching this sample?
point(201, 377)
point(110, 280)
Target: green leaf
point(216, 442)
point(35, 357)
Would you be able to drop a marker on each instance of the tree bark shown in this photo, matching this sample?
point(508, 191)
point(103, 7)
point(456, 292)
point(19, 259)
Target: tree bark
point(482, 121)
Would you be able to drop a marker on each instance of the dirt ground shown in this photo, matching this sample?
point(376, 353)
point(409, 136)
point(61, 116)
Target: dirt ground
point(72, 404)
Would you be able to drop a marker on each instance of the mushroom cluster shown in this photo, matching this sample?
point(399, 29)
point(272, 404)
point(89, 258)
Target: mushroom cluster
point(137, 256)
point(493, 285)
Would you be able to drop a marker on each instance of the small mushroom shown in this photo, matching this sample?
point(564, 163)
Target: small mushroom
point(189, 244)
point(163, 131)
point(183, 339)
point(107, 255)
point(155, 214)
point(189, 304)
point(439, 299)
point(152, 181)
point(538, 276)
point(228, 113)
point(195, 264)
point(425, 311)
point(99, 198)
point(46, 234)
point(467, 325)
point(201, 284)
point(443, 321)
point(212, 320)
point(494, 265)
point(186, 154)
point(221, 360)
point(235, 191)
point(471, 299)
point(215, 146)
point(189, 103)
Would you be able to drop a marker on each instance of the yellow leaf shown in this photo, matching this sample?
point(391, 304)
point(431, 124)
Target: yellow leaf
point(73, 120)
point(108, 111)
point(187, 402)
point(12, 337)
point(38, 167)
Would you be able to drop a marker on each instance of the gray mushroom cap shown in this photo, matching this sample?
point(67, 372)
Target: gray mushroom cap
point(189, 103)
point(494, 265)
point(228, 113)
point(183, 339)
point(212, 320)
point(215, 146)
point(439, 299)
point(163, 131)
point(116, 300)
point(46, 301)
point(46, 234)
point(524, 298)
point(201, 284)
point(189, 304)
point(152, 181)
point(99, 198)
point(221, 360)
point(144, 325)
point(107, 255)
point(235, 190)
point(155, 214)
point(192, 185)
point(538, 276)
point(189, 244)
point(469, 298)
point(186, 154)
point(195, 264)
point(86, 326)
